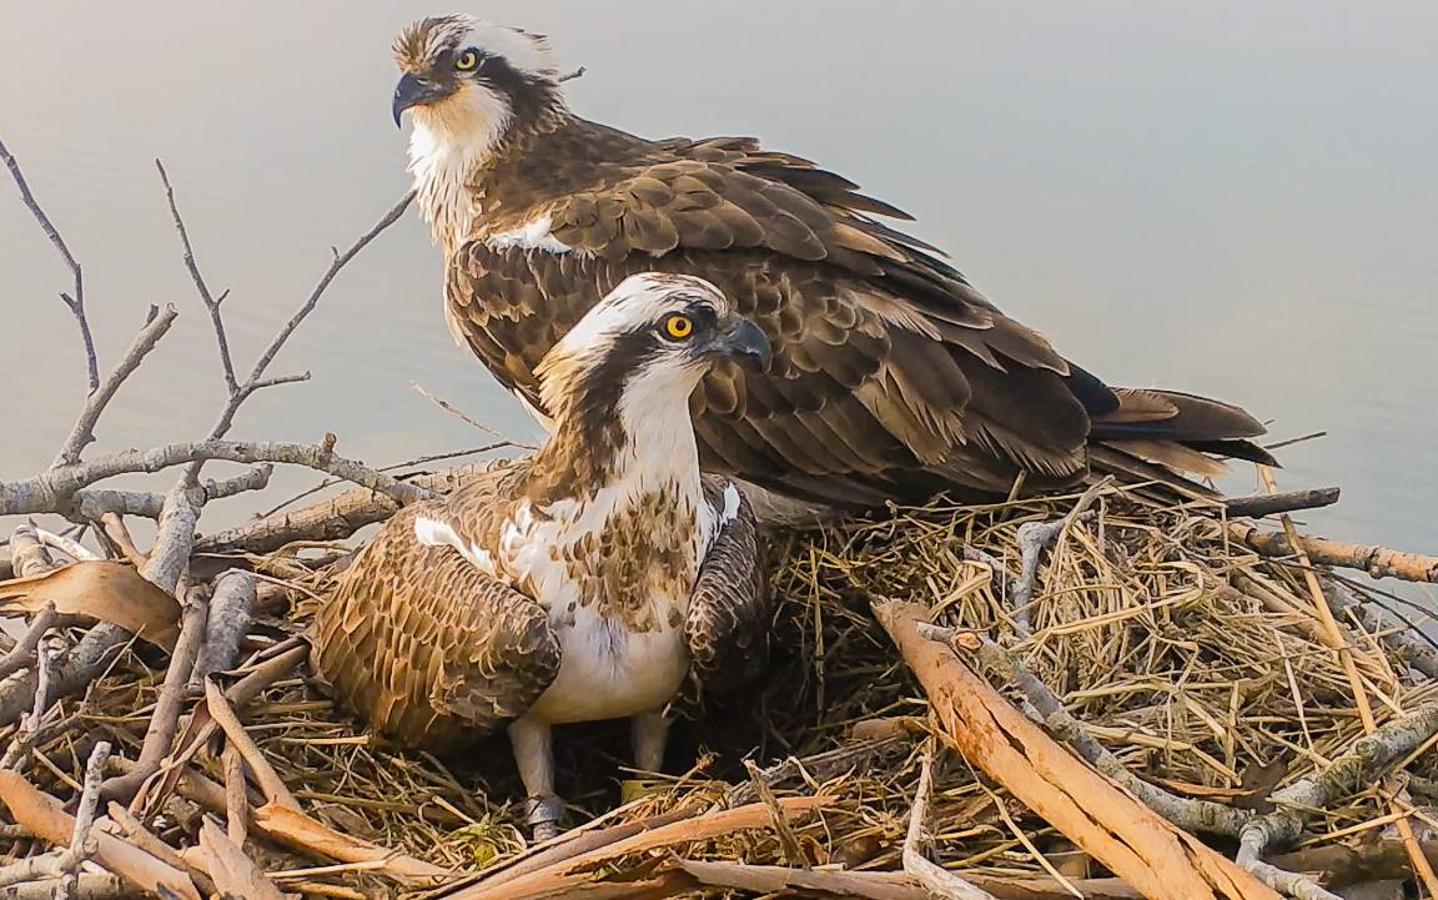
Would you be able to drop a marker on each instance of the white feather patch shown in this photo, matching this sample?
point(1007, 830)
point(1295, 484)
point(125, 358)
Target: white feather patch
point(435, 533)
point(535, 234)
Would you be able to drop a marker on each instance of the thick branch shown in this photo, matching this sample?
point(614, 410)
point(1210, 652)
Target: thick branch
point(1132, 841)
point(50, 491)
point(1380, 562)
point(76, 299)
point(1257, 505)
point(92, 505)
point(230, 609)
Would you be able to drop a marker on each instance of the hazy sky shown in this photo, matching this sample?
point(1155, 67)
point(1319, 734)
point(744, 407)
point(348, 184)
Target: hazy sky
point(1232, 198)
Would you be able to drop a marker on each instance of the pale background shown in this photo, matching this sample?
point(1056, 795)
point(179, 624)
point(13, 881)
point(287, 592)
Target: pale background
point(1231, 198)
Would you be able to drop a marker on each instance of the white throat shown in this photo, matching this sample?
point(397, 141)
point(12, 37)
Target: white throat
point(661, 449)
point(448, 144)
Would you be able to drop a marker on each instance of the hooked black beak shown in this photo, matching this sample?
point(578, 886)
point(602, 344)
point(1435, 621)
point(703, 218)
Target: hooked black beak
point(743, 338)
point(413, 91)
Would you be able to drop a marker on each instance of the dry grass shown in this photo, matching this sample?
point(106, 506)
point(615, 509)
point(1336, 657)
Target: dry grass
point(1195, 661)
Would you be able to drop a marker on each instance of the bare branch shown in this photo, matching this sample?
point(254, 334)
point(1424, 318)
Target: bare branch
point(160, 733)
point(83, 433)
point(24, 738)
point(50, 491)
point(226, 361)
point(276, 381)
point(460, 414)
point(1033, 538)
point(935, 879)
point(1257, 505)
point(84, 818)
point(75, 300)
point(93, 505)
point(24, 652)
point(338, 263)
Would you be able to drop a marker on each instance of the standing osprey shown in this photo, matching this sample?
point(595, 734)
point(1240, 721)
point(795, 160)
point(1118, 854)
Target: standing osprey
point(891, 378)
point(582, 583)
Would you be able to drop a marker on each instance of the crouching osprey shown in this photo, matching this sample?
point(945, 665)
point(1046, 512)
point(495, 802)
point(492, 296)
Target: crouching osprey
point(892, 377)
point(582, 583)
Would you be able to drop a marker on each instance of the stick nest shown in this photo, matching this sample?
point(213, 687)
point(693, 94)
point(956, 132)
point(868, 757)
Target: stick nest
point(1199, 664)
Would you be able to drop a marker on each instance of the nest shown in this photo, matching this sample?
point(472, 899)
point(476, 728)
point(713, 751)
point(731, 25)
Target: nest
point(1199, 665)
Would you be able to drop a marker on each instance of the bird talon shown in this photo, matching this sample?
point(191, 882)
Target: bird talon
point(543, 815)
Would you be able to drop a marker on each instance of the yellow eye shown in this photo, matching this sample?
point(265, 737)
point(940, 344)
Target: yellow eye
point(466, 61)
point(678, 327)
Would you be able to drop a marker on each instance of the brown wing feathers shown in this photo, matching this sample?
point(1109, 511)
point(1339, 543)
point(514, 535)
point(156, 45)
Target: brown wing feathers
point(727, 626)
point(427, 648)
point(893, 378)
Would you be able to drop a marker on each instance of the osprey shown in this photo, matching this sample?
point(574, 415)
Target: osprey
point(582, 583)
point(892, 378)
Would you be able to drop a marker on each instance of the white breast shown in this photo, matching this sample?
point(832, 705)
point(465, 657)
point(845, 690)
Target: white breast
point(606, 670)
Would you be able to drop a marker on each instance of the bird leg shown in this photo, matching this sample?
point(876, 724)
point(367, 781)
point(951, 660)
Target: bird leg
point(648, 734)
point(534, 752)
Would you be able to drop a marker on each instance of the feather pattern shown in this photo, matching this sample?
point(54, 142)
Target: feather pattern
point(892, 378)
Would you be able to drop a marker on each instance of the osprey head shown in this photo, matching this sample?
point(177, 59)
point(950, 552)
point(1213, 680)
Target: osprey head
point(649, 340)
point(462, 75)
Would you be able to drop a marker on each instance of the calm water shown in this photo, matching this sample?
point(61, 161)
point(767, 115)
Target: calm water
point(1211, 197)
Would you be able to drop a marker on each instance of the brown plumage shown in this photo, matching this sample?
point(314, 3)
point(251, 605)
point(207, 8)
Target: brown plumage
point(892, 377)
point(585, 582)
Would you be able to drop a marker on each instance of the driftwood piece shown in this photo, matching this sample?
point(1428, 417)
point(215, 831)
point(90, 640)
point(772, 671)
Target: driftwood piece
point(230, 610)
point(89, 886)
point(201, 726)
point(234, 873)
point(160, 733)
point(1379, 562)
point(1257, 505)
point(135, 831)
point(28, 555)
point(269, 781)
point(46, 817)
point(295, 829)
point(1110, 825)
